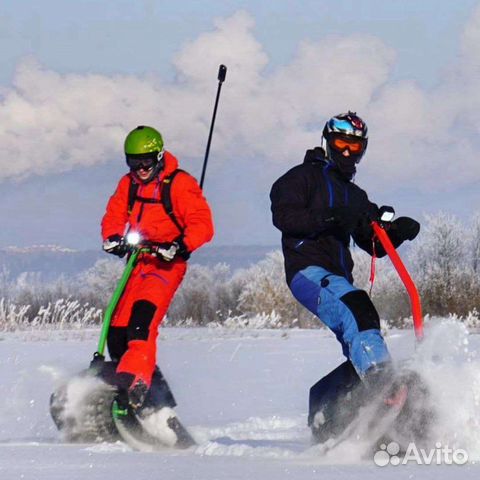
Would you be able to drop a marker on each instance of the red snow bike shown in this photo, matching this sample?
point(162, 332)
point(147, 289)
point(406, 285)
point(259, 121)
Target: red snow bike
point(344, 407)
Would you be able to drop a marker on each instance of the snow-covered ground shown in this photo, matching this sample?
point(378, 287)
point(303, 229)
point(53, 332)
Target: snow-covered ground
point(243, 394)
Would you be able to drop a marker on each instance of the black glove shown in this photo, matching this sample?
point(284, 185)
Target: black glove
point(115, 244)
point(182, 248)
point(344, 218)
point(363, 229)
point(404, 228)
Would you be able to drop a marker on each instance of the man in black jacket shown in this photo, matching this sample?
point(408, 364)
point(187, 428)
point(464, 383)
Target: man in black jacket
point(319, 209)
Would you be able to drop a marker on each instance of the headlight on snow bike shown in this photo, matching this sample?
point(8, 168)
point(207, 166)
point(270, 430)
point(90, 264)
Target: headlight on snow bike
point(386, 214)
point(133, 238)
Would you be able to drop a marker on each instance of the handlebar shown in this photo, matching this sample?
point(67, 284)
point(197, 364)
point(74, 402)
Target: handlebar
point(145, 246)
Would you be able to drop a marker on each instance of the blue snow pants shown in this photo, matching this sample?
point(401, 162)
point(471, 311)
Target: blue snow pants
point(347, 311)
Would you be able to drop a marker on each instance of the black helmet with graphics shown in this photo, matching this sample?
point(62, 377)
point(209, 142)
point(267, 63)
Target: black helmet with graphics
point(345, 140)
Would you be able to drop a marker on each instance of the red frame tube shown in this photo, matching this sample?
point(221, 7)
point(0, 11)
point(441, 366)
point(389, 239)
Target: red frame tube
point(406, 279)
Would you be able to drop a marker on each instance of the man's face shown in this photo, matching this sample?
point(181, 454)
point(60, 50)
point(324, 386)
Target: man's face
point(143, 166)
point(346, 151)
point(144, 173)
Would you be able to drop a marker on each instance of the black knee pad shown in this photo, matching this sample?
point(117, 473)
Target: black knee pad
point(362, 308)
point(142, 315)
point(117, 342)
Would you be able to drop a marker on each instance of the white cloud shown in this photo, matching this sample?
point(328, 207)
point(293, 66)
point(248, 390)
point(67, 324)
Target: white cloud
point(51, 122)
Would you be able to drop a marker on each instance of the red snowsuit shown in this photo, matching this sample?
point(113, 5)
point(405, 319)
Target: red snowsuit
point(134, 327)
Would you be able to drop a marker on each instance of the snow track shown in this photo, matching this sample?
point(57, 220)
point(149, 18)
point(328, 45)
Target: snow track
point(272, 437)
point(243, 394)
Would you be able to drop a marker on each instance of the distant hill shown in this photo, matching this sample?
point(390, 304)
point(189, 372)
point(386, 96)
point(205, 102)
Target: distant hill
point(52, 261)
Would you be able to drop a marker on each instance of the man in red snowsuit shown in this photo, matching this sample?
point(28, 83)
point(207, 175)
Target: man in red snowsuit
point(176, 229)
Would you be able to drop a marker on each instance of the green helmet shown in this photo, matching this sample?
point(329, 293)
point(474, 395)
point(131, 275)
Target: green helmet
point(143, 140)
point(144, 151)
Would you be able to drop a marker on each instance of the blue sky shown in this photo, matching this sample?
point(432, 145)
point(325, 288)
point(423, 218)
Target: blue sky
point(121, 36)
point(78, 75)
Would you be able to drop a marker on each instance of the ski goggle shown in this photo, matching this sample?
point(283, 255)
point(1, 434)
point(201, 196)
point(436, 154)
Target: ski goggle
point(143, 161)
point(342, 144)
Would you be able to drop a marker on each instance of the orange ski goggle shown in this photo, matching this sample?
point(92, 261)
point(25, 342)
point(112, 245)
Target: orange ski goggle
point(341, 144)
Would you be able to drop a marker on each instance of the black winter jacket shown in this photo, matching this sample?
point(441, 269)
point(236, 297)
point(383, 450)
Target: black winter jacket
point(301, 200)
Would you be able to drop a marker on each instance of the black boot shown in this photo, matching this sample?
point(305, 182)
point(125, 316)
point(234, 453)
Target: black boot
point(137, 394)
point(159, 394)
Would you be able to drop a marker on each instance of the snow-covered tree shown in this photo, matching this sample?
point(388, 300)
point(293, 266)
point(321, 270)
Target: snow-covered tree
point(265, 290)
point(205, 295)
point(443, 267)
point(475, 243)
point(98, 282)
point(444, 261)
